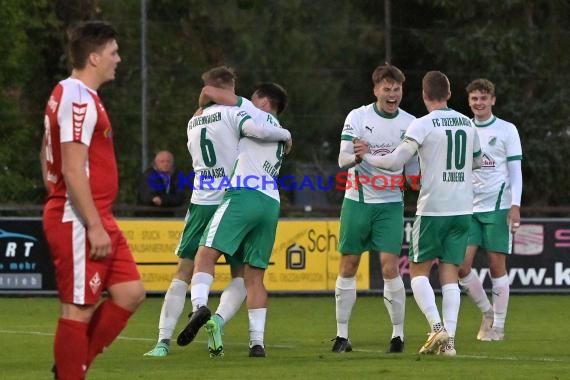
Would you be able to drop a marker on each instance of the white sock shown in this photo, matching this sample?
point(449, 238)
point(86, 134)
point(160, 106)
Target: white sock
point(501, 290)
point(200, 289)
point(395, 302)
point(231, 299)
point(475, 291)
point(172, 307)
point(450, 307)
point(256, 326)
point(345, 296)
point(425, 298)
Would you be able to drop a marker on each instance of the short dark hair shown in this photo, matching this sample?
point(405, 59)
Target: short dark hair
point(88, 37)
point(275, 93)
point(481, 84)
point(436, 86)
point(221, 76)
point(389, 72)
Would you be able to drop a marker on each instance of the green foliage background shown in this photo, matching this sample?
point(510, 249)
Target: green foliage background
point(323, 52)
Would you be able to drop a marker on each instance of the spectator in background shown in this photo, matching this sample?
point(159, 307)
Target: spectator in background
point(159, 185)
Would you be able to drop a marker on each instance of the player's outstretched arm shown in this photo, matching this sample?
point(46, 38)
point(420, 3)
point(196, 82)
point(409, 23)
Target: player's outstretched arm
point(265, 132)
point(217, 95)
point(346, 156)
point(393, 161)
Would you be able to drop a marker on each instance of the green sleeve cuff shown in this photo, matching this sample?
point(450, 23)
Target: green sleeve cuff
point(240, 127)
point(514, 158)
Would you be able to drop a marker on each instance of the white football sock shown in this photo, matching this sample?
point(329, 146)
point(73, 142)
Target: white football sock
point(345, 296)
point(200, 289)
point(231, 299)
point(172, 307)
point(450, 307)
point(475, 291)
point(395, 302)
point(425, 298)
point(501, 290)
point(256, 326)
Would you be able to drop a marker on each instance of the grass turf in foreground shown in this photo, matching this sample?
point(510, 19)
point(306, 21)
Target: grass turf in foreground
point(298, 334)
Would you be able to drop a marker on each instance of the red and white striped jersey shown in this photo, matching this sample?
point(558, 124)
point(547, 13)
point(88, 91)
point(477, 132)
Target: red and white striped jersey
point(75, 113)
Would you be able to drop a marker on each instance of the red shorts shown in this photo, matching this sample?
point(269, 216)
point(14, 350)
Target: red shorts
point(81, 280)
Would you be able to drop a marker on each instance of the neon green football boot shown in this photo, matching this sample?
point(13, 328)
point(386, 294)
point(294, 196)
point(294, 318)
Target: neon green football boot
point(159, 351)
point(215, 332)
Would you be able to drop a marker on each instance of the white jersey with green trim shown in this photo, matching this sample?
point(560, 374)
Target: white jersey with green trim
point(259, 116)
point(384, 132)
point(448, 142)
point(500, 143)
point(213, 139)
point(258, 162)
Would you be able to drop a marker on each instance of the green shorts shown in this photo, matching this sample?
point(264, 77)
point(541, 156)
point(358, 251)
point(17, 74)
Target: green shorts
point(371, 227)
point(490, 231)
point(196, 221)
point(442, 237)
point(246, 218)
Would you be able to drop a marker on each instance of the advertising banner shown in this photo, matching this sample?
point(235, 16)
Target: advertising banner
point(25, 263)
point(304, 257)
point(540, 261)
point(541, 257)
point(153, 243)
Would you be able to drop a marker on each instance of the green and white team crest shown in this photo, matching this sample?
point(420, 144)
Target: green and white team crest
point(402, 134)
point(492, 140)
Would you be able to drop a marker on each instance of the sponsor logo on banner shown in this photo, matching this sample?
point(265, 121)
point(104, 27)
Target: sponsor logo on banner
point(18, 265)
point(295, 256)
point(529, 240)
point(562, 238)
point(305, 257)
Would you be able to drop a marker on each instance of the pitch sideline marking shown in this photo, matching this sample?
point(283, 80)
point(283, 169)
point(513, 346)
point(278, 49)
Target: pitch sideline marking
point(39, 333)
point(482, 357)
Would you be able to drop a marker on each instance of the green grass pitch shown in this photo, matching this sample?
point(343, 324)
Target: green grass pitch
point(298, 334)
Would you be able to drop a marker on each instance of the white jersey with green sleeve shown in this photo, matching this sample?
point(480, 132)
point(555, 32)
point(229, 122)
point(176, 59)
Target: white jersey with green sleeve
point(383, 132)
point(447, 144)
point(259, 162)
point(259, 116)
point(500, 143)
point(213, 139)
